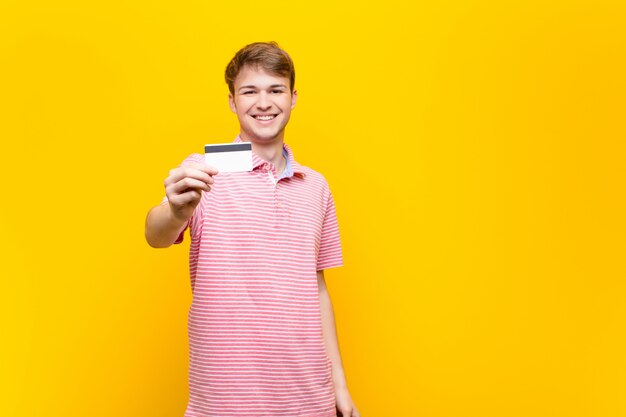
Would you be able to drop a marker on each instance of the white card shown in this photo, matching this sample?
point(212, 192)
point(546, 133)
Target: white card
point(229, 157)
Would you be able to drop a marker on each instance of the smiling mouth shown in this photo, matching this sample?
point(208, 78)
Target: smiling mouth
point(265, 118)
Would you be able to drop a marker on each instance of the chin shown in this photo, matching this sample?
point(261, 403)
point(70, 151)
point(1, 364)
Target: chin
point(264, 136)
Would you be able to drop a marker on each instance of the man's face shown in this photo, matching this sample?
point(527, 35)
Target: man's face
point(263, 103)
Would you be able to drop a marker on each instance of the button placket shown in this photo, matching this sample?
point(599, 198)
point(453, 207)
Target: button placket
point(280, 206)
point(272, 178)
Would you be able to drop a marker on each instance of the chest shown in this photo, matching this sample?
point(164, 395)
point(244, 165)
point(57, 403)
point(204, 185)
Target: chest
point(251, 207)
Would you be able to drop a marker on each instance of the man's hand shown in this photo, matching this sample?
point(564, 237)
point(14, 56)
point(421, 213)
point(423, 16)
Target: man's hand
point(345, 405)
point(184, 188)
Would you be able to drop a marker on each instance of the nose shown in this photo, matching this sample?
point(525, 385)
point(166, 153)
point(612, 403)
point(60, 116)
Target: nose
point(263, 103)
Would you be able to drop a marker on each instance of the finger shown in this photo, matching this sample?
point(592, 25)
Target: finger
point(188, 197)
point(209, 169)
point(188, 183)
point(178, 174)
point(182, 172)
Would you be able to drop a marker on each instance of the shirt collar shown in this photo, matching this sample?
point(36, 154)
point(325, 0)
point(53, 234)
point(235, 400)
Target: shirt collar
point(296, 168)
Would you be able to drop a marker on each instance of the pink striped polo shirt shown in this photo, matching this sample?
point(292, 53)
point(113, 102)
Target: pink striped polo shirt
point(255, 335)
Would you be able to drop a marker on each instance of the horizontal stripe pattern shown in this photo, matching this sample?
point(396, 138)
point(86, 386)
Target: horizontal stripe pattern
point(255, 336)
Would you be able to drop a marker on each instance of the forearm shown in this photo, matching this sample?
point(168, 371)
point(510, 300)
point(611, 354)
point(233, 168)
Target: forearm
point(162, 228)
point(330, 334)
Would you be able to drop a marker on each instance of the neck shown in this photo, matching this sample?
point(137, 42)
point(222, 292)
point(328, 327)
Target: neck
point(271, 152)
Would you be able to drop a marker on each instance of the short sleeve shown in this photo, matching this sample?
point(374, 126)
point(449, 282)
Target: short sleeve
point(197, 158)
point(330, 254)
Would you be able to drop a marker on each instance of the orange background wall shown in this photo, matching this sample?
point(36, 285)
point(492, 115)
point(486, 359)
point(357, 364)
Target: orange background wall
point(475, 150)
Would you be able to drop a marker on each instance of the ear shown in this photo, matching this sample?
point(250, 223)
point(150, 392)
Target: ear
point(294, 98)
point(231, 103)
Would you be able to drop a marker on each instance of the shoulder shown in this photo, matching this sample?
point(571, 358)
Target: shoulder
point(316, 185)
point(194, 157)
point(313, 177)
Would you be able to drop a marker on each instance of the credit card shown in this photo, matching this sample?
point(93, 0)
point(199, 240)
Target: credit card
point(229, 157)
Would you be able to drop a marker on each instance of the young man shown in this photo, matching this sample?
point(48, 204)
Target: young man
point(261, 325)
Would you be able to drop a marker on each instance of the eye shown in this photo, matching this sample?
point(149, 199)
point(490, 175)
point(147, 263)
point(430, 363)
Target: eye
point(277, 91)
point(248, 92)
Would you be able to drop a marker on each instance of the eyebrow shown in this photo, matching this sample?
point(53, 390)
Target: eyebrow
point(271, 86)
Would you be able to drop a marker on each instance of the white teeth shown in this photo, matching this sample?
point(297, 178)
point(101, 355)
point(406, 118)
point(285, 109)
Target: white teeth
point(270, 117)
